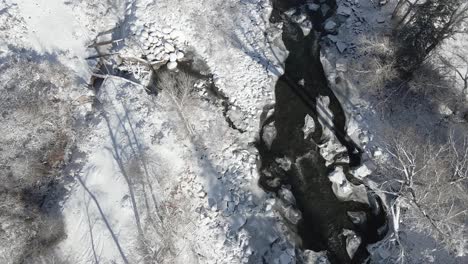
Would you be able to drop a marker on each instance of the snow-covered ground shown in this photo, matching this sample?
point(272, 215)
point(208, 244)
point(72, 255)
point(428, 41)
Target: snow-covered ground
point(151, 182)
point(370, 121)
point(141, 187)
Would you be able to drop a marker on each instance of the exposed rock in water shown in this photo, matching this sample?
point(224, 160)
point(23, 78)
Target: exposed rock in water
point(308, 145)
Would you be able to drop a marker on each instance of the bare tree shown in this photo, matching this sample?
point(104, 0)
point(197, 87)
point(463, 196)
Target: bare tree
point(463, 75)
point(429, 182)
point(424, 26)
point(178, 85)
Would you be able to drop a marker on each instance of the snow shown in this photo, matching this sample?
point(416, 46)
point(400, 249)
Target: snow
point(53, 28)
point(134, 160)
point(366, 117)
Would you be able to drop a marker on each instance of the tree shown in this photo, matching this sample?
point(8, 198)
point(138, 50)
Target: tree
point(428, 184)
point(423, 27)
point(463, 75)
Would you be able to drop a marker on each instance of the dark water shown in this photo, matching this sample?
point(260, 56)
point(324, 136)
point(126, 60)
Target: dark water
point(324, 216)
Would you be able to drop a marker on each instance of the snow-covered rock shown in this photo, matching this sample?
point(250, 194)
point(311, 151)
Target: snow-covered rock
point(362, 171)
point(341, 46)
point(171, 65)
point(344, 11)
point(312, 257)
point(172, 57)
point(330, 26)
point(353, 242)
point(169, 47)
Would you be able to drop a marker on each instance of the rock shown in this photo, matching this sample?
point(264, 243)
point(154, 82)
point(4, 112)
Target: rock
point(306, 27)
point(290, 12)
point(344, 11)
point(171, 65)
point(330, 26)
point(333, 38)
point(285, 258)
point(145, 34)
point(312, 257)
point(362, 171)
point(284, 163)
point(159, 56)
point(237, 222)
point(165, 57)
point(150, 57)
point(269, 134)
point(180, 55)
point(358, 218)
point(174, 35)
point(169, 47)
point(380, 20)
point(324, 8)
point(147, 44)
point(341, 46)
point(211, 203)
point(363, 137)
point(341, 65)
point(313, 7)
point(383, 2)
point(346, 191)
point(292, 215)
point(166, 30)
point(298, 18)
point(377, 153)
point(309, 126)
point(172, 56)
point(340, 185)
point(352, 242)
point(158, 50)
point(287, 196)
point(445, 110)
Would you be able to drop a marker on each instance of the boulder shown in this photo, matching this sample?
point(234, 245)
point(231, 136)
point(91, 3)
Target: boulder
point(358, 218)
point(309, 126)
point(361, 172)
point(171, 65)
point(298, 18)
point(172, 56)
point(292, 215)
point(352, 242)
point(150, 57)
point(269, 134)
point(180, 55)
point(174, 35)
point(306, 27)
point(313, 7)
point(344, 11)
point(341, 46)
point(285, 258)
point(287, 196)
point(169, 47)
point(312, 257)
point(324, 9)
point(330, 26)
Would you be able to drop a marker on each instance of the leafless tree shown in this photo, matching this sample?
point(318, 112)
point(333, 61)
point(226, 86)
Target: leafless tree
point(462, 74)
point(178, 85)
point(428, 181)
point(423, 26)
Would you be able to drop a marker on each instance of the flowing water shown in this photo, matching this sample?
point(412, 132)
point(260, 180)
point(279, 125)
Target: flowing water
point(324, 216)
